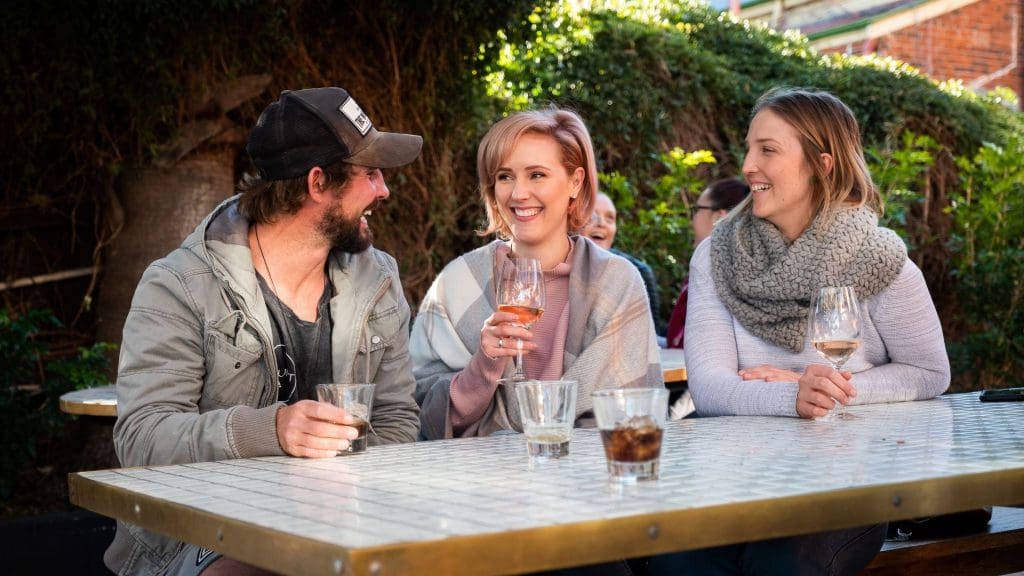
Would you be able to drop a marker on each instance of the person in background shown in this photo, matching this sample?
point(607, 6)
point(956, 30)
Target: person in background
point(538, 181)
point(601, 229)
point(712, 205)
point(277, 290)
point(811, 220)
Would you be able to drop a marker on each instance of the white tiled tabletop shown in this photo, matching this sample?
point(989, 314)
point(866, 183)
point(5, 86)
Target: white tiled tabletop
point(722, 480)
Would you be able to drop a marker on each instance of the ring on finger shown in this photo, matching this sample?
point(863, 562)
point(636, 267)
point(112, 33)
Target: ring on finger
point(501, 342)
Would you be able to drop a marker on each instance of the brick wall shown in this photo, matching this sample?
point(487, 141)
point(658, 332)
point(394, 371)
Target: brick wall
point(971, 43)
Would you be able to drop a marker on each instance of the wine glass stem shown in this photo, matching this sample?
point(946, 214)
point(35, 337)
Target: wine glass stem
point(837, 406)
point(519, 373)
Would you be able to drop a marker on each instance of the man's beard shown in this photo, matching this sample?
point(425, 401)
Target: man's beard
point(344, 233)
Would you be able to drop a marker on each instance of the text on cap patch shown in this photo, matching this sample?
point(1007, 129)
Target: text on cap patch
point(355, 114)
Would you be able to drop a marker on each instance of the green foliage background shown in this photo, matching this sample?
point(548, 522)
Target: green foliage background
point(666, 88)
point(31, 415)
point(105, 89)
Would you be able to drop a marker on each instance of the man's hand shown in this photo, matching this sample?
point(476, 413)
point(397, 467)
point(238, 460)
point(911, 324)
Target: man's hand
point(769, 373)
point(313, 429)
point(820, 388)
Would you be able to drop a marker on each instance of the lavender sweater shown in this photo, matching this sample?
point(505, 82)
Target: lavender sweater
point(902, 354)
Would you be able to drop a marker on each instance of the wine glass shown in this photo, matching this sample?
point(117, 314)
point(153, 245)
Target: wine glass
point(833, 324)
point(521, 292)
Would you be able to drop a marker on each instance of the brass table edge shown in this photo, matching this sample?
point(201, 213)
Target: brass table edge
point(562, 545)
point(88, 408)
point(253, 544)
point(673, 375)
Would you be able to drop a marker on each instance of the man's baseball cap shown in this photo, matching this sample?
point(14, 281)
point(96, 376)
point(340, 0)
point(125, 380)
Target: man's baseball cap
point(318, 127)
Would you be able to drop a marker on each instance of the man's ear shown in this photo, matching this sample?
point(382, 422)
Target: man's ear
point(316, 184)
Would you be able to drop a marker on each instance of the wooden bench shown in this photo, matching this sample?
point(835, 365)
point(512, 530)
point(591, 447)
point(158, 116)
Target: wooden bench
point(996, 552)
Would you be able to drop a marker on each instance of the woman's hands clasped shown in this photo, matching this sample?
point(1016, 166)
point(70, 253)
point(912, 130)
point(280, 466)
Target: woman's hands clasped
point(818, 386)
point(769, 373)
point(501, 334)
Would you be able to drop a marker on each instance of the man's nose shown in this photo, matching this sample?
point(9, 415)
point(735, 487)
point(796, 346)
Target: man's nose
point(385, 192)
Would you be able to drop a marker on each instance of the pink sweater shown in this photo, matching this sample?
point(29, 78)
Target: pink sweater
point(473, 388)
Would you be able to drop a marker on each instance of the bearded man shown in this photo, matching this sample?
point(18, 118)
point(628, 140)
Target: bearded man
point(279, 289)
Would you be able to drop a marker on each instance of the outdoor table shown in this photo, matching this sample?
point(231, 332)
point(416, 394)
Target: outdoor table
point(478, 506)
point(673, 364)
point(98, 401)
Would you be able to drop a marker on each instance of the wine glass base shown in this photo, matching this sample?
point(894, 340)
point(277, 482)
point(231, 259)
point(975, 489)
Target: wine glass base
point(834, 416)
point(828, 417)
point(838, 412)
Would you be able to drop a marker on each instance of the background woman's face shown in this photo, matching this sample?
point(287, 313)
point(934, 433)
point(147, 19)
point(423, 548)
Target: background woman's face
point(704, 217)
point(603, 224)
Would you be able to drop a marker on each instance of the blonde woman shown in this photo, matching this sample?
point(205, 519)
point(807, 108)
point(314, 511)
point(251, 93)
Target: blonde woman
point(538, 181)
point(811, 220)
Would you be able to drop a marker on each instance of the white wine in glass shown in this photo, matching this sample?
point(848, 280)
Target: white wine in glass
point(833, 324)
point(521, 292)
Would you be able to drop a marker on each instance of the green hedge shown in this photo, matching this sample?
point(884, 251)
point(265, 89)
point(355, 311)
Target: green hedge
point(681, 76)
point(31, 383)
point(97, 92)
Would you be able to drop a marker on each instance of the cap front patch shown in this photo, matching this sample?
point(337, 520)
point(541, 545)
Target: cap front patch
point(355, 114)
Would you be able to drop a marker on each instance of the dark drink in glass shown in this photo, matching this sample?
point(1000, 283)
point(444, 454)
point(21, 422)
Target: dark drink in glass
point(631, 421)
point(357, 401)
point(633, 448)
point(359, 444)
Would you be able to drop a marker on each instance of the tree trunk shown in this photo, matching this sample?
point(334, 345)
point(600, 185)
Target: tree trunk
point(161, 207)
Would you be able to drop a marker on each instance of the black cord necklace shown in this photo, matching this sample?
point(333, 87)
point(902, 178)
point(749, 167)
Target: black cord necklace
point(284, 326)
point(263, 255)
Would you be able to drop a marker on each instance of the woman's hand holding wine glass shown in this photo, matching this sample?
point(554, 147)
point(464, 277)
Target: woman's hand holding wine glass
point(833, 326)
point(521, 292)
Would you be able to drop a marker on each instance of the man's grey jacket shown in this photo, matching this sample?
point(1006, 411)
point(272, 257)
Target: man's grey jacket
point(197, 376)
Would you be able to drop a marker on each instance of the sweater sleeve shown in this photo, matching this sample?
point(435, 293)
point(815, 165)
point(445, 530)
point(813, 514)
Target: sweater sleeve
point(712, 357)
point(909, 329)
point(472, 390)
point(432, 333)
point(453, 381)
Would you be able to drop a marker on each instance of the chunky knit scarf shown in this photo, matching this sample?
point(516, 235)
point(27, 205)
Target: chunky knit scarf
point(766, 282)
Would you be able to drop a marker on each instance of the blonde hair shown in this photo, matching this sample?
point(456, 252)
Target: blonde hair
point(826, 125)
point(567, 129)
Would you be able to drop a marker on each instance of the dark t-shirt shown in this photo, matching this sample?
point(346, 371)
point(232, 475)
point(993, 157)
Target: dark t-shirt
point(302, 349)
